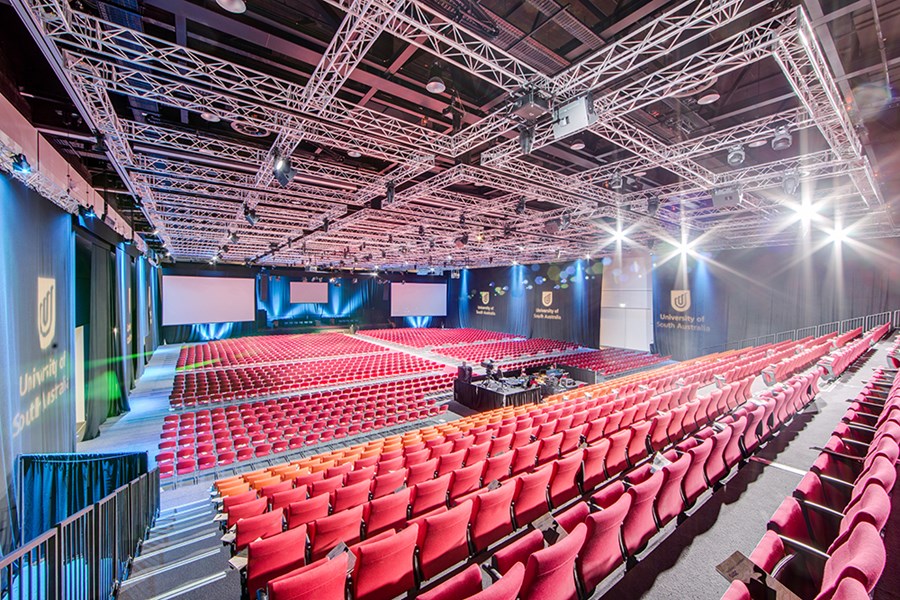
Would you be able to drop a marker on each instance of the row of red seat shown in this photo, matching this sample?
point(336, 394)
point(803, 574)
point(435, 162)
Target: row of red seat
point(271, 348)
point(427, 337)
point(538, 476)
point(206, 387)
point(474, 523)
point(610, 361)
point(419, 384)
point(824, 541)
point(498, 351)
point(792, 361)
point(842, 357)
point(437, 472)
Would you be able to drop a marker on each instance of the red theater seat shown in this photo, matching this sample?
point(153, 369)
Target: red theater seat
point(322, 580)
point(384, 567)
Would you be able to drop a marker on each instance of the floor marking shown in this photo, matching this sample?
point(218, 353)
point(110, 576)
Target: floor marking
point(770, 463)
point(170, 566)
point(186, 542)
point(190, 586)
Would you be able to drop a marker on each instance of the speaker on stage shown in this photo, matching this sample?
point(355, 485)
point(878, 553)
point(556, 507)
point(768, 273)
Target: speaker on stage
point(464, 373)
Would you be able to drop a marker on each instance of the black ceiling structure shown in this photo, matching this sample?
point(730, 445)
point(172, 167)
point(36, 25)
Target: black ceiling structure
point(364, 133)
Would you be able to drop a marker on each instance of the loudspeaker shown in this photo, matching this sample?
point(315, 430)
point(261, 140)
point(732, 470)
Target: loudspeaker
point(264, 288)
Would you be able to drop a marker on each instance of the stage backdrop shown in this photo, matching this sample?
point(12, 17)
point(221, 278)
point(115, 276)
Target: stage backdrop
point(353, 299)
point(750, 293)
point(37, 414)
point(556, 301)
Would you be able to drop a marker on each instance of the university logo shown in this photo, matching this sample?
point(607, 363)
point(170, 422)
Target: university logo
point(485, 297)
point(46, 311)
point(547, 298)
point(681, 300)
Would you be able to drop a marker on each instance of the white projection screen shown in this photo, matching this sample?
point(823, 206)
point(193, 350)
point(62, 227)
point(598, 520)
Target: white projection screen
point(189, 300)
point(418, 299)
point(309, 292)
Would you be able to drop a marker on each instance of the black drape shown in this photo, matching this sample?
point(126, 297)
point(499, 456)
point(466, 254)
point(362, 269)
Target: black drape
point(555, 301)
point(105, 394)
point(55, 486)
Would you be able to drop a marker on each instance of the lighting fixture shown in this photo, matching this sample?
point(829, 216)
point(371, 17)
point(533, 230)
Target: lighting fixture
point(736, 155)
point(435, 83)
point(790, 184)
point(577, 145)
point(325, 223)
point(462, 219)
point(390, 187)
point(520, 207)
point(210, 117)
point(838, 235)
point(234, 237)
point(20, 164)
point(250, 215)
point(640, 173)
point(708, 98)
point(757, 143)
point(619, 236)
point(652, 205)
point(616, 182)
point(284, 174)
point(782, 140)
point(354, 153)
point(233, 6)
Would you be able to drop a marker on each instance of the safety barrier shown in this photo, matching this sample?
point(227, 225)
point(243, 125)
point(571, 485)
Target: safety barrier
point(87, 555)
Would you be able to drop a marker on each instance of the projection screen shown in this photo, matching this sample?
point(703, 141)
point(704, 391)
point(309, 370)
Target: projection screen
point(309, 292)
point(189, 300)
point(418, 299)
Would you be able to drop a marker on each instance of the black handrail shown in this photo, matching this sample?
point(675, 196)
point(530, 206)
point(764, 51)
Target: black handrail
point(89, 554)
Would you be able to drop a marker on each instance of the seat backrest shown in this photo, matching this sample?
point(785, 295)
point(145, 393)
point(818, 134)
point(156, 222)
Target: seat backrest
point(246, 509)
point(563, 486)
point(307, 511)
point(694, 482)
point(384, 567)
point(505, 588)
point(325, 533)
point(260, 526)
point(442, 539)
point(429, 495)
point(274, 556)
point(669, 502)
point(462, 585)
point(530, 498)
point(603, 550)
point(860, 556)
point(640, 523)
point(322, 580)
point(465, 479)
point(348, 496)
point(387, 512)
point(549, 573)
point(387, 483)
point(593, 468)
point(491, 518)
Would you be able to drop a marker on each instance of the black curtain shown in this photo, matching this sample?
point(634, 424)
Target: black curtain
point(37, 413)
point(105, 392)
point(56, 486)
point(555, 301)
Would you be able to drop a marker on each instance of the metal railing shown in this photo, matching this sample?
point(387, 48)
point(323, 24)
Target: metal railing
point(839, 327)
point(86, 556)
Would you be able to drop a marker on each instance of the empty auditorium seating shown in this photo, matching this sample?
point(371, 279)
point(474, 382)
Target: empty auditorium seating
point(425, 338)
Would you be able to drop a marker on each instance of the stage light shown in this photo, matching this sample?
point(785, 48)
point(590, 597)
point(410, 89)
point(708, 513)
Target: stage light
point(20, 164)
point(619, 236)
point(520, 207)
point(250, 215)
point(435, 83)
point(210, 117)
point(325, 224)
point(838, 235)
point(652, 205)
point(708, 98)
point(757, 143)
point(284, 174)
point(616, 182)
point(790, 183)
point(389, 189)
point(806, 210)
point(234, 237)
point(577, 145)
point(782, 140)
point(233, 6)
point(354, 153)
point(736, 156)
